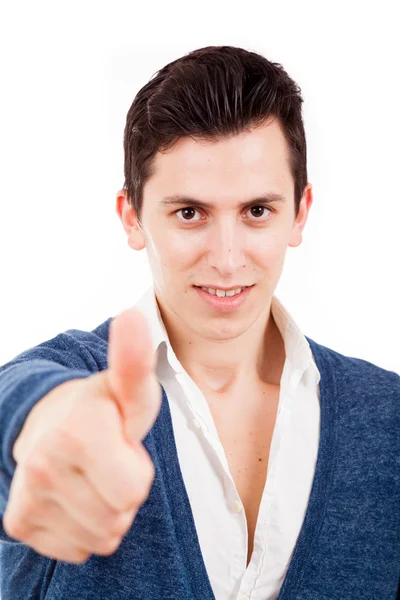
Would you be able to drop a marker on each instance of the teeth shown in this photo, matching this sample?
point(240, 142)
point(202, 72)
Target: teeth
point(222, 293)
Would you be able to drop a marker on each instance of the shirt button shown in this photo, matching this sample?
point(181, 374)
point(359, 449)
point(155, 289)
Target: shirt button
point(243, 597)
point(236, 507)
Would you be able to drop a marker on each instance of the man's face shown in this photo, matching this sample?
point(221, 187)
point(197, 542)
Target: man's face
point(225, 244)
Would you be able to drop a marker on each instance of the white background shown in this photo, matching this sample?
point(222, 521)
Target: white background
point(69, 72)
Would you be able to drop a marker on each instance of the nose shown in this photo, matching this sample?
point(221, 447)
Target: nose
point(225, 247)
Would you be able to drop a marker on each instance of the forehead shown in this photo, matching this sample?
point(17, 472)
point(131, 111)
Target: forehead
point(254, 160)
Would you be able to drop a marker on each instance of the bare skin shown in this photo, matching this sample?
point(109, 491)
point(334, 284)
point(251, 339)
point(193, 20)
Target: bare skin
point(246, 439)
point(245, 431)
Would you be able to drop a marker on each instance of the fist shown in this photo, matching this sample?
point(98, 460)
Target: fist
point(82, 472)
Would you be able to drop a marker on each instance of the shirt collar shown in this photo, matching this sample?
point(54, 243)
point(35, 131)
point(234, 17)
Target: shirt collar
point(297, 348)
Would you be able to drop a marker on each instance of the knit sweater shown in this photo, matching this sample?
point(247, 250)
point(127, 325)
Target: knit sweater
point(348, 547)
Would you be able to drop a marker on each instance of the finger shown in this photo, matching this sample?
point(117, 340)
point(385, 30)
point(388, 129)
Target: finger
point(44, 542)
point(50, 517)
point(130, 374)
point(71, 490)
point(121, 476)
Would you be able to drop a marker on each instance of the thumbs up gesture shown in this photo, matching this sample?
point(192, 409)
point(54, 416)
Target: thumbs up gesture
point(130, 374)
point(82, 472)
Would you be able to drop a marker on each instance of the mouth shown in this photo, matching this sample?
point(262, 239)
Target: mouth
point(224, 303)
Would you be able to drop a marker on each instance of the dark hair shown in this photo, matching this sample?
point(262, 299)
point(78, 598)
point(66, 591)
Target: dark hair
point(211, 93)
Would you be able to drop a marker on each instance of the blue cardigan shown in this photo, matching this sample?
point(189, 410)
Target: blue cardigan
point(349, 544)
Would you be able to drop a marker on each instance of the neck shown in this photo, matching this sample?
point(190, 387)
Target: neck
point(256, 356)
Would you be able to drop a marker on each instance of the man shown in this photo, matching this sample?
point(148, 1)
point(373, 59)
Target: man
point(200, 446)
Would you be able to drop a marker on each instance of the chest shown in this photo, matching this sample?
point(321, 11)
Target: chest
point(245, 428)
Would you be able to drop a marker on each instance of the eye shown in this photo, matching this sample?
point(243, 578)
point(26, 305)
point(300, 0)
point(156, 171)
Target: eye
point(189, 210)
point(186, 210)
point(258, 215)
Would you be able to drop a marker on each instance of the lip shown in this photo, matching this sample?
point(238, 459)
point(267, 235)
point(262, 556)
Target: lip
point(224, 304)
point(217, 287)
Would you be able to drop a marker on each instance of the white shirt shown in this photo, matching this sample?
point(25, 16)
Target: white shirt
point(216, 506)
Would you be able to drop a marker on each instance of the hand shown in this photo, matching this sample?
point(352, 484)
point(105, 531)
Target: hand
point(82, 472)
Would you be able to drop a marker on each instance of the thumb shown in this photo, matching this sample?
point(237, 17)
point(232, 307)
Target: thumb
point(131, 375)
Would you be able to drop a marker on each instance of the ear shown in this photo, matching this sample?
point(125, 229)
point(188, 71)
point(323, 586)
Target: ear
point(127, 214)
point(301, 219)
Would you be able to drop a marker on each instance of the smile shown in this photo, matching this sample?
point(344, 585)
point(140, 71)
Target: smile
point(224, 300)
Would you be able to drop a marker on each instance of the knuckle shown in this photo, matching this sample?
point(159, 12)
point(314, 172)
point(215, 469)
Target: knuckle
point(38, 470)
point(121, 524)
point(71, 443)
point(75, 556)
point(44, 542)
point(148, 475)
point(139, 494)
point(146, 480)
point(108, 546)
point(139, 488)
point(13, 526)
point(151, 473)
point(78, 557)
point(17, 522)
point(29, 508)
point(18, 528)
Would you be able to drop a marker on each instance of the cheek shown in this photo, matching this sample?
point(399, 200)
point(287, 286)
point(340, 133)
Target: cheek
point(183, 247)
point(173, 252)
point(269, 249)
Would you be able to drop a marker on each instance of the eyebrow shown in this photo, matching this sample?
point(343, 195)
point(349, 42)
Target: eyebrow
point(179, 200)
